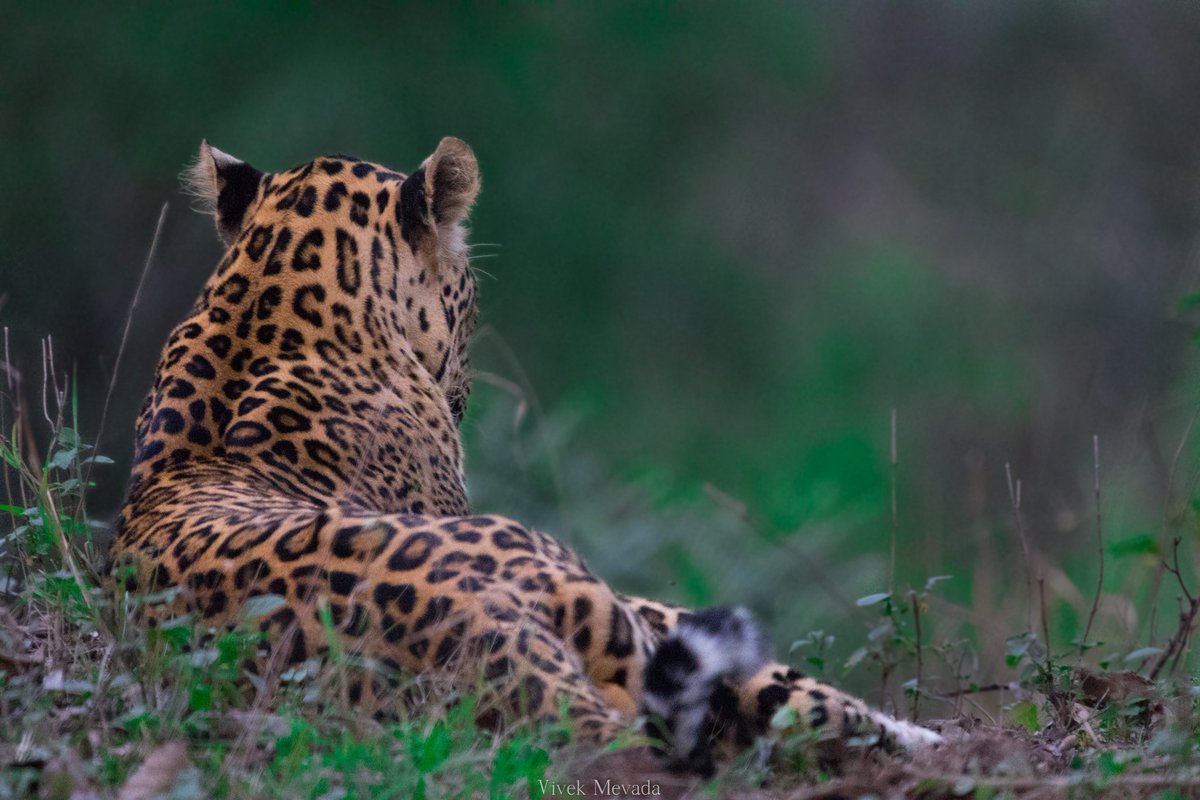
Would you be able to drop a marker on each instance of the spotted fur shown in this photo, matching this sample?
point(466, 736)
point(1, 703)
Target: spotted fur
point(301, 439)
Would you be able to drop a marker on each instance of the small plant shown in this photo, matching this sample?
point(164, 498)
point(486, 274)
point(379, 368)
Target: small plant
point(814, 649)
point(896, 638)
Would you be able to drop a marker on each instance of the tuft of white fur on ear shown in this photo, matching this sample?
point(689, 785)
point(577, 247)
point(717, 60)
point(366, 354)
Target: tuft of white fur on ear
point(451, 186)
point(200, 180)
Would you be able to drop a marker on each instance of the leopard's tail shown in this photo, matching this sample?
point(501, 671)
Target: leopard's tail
point(705, 647)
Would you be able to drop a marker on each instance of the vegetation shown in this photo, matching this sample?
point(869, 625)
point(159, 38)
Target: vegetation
point(871, 322)
point(108, 708)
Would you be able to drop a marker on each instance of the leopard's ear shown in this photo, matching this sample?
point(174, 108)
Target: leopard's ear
point(223, 187)
point(435, 201)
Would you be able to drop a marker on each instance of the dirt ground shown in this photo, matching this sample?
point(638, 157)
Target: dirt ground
point(978, 761)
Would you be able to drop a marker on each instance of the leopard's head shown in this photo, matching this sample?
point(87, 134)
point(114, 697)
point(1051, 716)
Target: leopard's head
point(356, 255)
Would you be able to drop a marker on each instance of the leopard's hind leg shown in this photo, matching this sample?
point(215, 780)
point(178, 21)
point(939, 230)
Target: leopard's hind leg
point(533, 674)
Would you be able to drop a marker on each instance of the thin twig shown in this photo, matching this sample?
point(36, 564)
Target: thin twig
point(1057, 701)
point(916, 607)
point(960, 693)
point(112, 382)
point(7, 361)
point(980, 709)
point(1083, 643)
point(1174, 569)
point(895, 514)
point(958, 674)
point(1045, 625)
point(45, 384)
point(1187, 635)
point(885, 673)
point(8, 377)
point(1178, 642)
point(1014, 496)
point(1156, 580)
point(1187, 619)
point(60, 395)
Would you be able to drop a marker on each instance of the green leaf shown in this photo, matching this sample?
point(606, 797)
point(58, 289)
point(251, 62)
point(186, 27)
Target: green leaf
point(435, 749)
point(1143, 652)
point(883, 630)
point(1025, 714)
point(201, 698)
point(935, 580)
point(176, 632)
point(965, 786)
point(10, 456)
point(856, 658)
point(872, 599)
point(261, 605)
point(229, 648)
point(68, 438)
point(62, 459)
point(1018, 648)
point(165, 597)
point(1109, 765)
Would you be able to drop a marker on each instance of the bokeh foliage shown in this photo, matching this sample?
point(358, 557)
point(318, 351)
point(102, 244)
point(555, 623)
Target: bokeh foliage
point(720, 243)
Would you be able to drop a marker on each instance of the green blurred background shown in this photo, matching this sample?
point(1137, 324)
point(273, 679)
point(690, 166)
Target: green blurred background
point(720, 242)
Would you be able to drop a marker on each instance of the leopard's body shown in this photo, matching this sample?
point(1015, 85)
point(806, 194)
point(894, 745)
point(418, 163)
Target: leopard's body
point(301, 439)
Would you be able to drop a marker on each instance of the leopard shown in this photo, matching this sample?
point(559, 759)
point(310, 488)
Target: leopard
point(301, 441)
